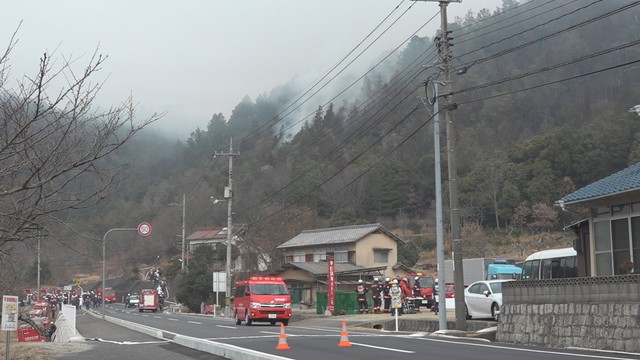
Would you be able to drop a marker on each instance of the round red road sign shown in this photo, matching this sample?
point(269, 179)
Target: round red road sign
point(144, 229)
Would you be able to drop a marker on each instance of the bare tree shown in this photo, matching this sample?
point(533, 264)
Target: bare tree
point(54, 145)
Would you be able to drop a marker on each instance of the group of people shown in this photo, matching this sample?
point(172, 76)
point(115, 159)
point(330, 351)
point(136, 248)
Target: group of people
point(390, 296)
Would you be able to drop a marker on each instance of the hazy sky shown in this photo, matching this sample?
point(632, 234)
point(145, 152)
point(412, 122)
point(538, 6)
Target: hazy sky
point(196, 58)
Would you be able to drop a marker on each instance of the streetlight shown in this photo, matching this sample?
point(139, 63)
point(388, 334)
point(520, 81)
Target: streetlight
point(104, 268)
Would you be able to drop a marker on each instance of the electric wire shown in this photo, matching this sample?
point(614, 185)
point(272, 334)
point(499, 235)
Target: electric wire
point(549, 36)
point(275, 119)
point(549, 68)
point(459, 41)
point(549, 83)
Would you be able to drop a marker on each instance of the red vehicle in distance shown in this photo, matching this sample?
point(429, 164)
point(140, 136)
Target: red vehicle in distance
point(427, 285)
point(109, 295)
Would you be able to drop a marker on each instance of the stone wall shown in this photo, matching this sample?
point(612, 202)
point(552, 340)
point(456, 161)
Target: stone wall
point(590, 312)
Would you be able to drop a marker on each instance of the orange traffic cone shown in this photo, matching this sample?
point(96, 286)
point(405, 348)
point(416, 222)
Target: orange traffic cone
point(282, 341)
point(344, 336)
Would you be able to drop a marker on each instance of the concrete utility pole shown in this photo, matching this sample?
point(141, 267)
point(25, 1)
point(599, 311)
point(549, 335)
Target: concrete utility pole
point(184, 200)
point(458, 276)
point(228, 195)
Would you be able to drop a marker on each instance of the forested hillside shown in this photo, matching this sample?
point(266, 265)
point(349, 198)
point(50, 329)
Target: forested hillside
point(542, 109)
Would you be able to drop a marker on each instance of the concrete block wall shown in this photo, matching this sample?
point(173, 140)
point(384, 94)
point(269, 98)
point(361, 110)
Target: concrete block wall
point(596, 312)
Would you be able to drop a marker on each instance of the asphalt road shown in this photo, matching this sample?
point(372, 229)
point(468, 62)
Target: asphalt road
point(111, 341)
point(319, 339)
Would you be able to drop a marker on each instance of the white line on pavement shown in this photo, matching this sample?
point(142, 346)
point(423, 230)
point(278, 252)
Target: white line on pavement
point(194, 322)
point(228, 327)
point(384, 348)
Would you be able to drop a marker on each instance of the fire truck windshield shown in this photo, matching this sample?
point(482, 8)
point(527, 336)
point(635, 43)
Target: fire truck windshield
point(269, 289)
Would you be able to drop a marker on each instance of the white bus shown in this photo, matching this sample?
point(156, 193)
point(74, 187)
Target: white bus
point(551, 264)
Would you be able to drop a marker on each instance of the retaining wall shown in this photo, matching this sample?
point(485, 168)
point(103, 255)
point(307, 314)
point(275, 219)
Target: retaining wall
point(590, 312)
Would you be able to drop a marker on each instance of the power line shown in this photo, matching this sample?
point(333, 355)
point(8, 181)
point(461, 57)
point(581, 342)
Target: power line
point(550, 82)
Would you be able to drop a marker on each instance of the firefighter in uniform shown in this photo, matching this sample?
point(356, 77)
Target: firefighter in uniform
point(417, 293)
point(361, 292)
point(387, 296)
point(376, 290)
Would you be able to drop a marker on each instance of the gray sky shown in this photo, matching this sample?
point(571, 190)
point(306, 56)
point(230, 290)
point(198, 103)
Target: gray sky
point(196, 58)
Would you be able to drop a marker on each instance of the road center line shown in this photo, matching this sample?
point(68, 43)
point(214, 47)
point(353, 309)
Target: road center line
point(194, 322)
point(173, 319)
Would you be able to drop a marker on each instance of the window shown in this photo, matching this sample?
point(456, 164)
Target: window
point(319, 255)
point(381, 256)
point(299, 257)
point(341, 256)
point(621, 247)
point(531, 270)
point(635, 240)
point(269, 289)
point(240, 291)
point(604, 262)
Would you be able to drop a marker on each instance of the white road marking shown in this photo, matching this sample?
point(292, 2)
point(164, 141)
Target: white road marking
point(529, 350)
point(271, 333)
point(158, 317)
point(228, 327)
point(172, 319)
point(383, 348)
point(194, 322)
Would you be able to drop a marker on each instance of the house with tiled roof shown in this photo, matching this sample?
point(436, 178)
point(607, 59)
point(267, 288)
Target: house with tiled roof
point(206, 236)
point(359, 251)
point(609, 242)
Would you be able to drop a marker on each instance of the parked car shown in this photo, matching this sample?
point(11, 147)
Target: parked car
point(134, 301)
point(483, 299)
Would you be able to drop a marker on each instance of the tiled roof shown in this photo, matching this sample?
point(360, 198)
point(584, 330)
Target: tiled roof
point(208, 233)
point(321, 268)
point(337, 235)
point(620, 182)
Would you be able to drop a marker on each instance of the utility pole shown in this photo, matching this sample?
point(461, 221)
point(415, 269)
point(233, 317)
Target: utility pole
point(184, 200)
point(458, 276)
point(442, 301)
point(228, 195)
point(184, 212)
point(38, 235)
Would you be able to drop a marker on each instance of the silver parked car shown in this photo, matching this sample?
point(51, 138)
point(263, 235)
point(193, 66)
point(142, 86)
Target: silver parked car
point(134, 301)
point(483, 299)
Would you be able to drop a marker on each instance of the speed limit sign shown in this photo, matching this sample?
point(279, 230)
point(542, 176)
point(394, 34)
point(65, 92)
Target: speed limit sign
point(144, 229)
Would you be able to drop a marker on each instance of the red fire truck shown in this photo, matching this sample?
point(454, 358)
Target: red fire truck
point(262, 298)
point(149, 300)
point(427, 284)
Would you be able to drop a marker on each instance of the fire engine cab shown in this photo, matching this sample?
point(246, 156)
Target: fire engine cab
point(427, 286)
point(262, 299)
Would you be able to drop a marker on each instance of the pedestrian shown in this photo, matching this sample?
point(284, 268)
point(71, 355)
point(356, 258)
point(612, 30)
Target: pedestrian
point(376, 290)
point(417, 293)
point(396, 298)
point(361, 295)
point(126, 301)
point(386, 295)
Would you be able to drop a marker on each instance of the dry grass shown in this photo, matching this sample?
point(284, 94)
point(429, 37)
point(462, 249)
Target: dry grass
point(37, 350)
